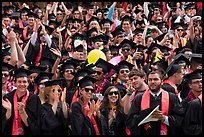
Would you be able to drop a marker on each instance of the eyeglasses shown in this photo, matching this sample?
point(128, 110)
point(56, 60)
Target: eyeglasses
point(125, 49)
point(97, 72)
point(59, 14)
point(124, 71)
point(89, 89)
point(69, 71)
point(5, 74)
point(113, 92)
point(59, 90)
point(197, 82)
point(179, 29)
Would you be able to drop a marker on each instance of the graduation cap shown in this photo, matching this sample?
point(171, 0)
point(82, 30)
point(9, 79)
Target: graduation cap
point(139, 22)
point(189, 6)
point(60, 82)
point(77, 36)
point(196, 74)
point(177, 25)
point(45, 61)
point(105, 10)
point(54, 23)
point(124, 64)
point(15, 15)
point(156, 5)
point(162, 64)
point(196, 58)
point(51, 17)
point(18, 30)
point(42, 76)
point(128, 43)
point(37, 69)
point(118, 31)
point(90, 31)
point(49, 29)
point(105, 65)
point(103, 21)
point(179, 50)
point(172, 69)
point(7, 8)
point(154, 46)
point(138, 10)
point(7, 67)
point(137, 31)
point(79, 48)
point(32, 15)
point(21, 72)
point(140, 48)
point(90, 6)
point(68, 64)
point(127, 18)
point(82, 73)
point(105, 50)
point(77, 61)
point(5, 15)
point(86, 81)
point(98, 11)
point(114, 48)
point(93, 18)
point(98, 38)
point(164, 49)
point(35, 7)
point(181, 58)
point(24, 9)
point(77, 20)
point(160, 37)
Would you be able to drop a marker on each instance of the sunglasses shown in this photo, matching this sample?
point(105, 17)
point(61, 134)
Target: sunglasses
point(5, 74)
point(69, 71)
point(59, 14)
point(124, 71)
point(59, 90)
point(113, 92)
point(125, 49)
point(89, 89)
point(180, 29)
point(97, 72)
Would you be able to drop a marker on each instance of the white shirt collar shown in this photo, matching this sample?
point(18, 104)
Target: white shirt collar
point(153, 94)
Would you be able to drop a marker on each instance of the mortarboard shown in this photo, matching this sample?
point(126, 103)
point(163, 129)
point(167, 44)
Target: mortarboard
point(140, 48)
point(98, 38)
point(77, 61)
point(35, 7)
point(18, 30)
point(103, 21)
point(156, 5)
point(90, 6)
point(77, 20)
point(105, 10)
point(54, 23)
point(32, 15)
point(45, 61)
point(79, 48)
point(105, 65)
point(172, 69)
point(7, 8)
point(179, 50)
point(98, 11)
point(7, 67)
point(77, 36)
point(164, 49)
point(160, 24)
point(37, 69)
point(189, 6)
point(82, 73)
point(5, 15)
point(21, 72)
point(177, 25)
point(68, 64)
point(127, 42)
point(60, 82)
point(49, 29)
point(86, 81)
point(24, 9)
point(93, 18)
point(196, 74)
point(137, 10)
point(90, 31)
point(15, 15)
point(137, 31)
point(180, 58)
point(139, 22)
point(43, 75)
point(160, 37)
point(152, 47)
point(51, 17)
point(162, 64)
point(124, 64)
point(105, 50)
point(196, 58)
point(127, 18)
point(114, 48)
point(118, 31)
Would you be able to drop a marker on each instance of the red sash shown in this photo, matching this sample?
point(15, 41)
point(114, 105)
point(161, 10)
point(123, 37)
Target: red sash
point(86, 111)
point(17, 128)
point(145, 103)
point(74, 99)
point(24, 32)
point(171, 84)
point(20, 24)
point(200, 97)
point(39, 56)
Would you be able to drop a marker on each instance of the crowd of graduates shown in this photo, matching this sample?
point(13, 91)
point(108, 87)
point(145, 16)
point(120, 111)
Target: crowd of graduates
point(153, 56)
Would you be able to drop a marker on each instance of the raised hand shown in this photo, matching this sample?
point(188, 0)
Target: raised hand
point(92, 106)
point(20, 106)
point(63, 97)
point(6, 104)
point(56, 52)
point(97, 105)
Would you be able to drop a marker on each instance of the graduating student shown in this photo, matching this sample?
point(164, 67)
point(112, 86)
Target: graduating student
point(85, 115)
point(25, 111)
point(54, 113)
point(169, 114)
point(175, 75)
point(123, 69)
point(112, 114)
point(193, 118)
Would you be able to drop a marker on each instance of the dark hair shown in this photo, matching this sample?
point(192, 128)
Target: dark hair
point(156, 72)
point(136, 72)
point(105, 103)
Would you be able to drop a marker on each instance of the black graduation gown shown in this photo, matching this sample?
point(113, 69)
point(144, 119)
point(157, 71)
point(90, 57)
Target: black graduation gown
point(118, 125)
point(168, 88)
point(69, 94)
point(175, 116)
point(184, 88)
point(33, 111)
point(53, 124)
point(81, 124)
point(193, 118)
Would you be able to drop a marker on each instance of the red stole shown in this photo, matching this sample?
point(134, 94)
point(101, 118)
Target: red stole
point(145, 103)
point(200, 98)
point(74, 99)
point(171, 84)
point(191, 96)
point(24, 32)
point(20, 23)
point(17, 128)
point(39, 56)
point(86, 111)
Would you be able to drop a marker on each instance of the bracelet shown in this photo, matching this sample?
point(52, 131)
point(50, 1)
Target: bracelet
point(129, 93)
